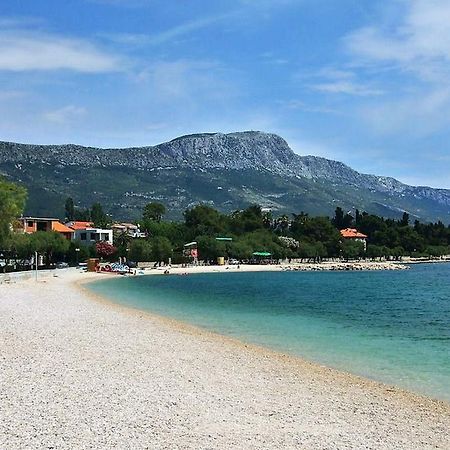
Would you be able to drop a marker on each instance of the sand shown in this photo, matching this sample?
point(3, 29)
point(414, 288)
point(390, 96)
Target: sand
point(78, 372)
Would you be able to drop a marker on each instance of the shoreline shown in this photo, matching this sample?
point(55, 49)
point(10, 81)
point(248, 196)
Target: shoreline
point(302, 403)
point(329, 266)
point(196, 330)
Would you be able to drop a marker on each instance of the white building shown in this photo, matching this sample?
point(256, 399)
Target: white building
point(91, 235)
point(130, 229)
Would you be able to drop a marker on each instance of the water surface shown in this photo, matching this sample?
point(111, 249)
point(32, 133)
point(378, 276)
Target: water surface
point(391, 326)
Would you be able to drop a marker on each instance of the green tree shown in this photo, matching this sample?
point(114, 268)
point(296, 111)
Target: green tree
point(341, 220)
point(352, 249)
point(98, 216)
point(122, 241)
point(241, 250)
point(209, 248)
point(248, 220)
point(153, 211)
point(12, 202)
point(83, 215)
point(204, 220)
point(50, 244)
point(81, 255)
point(140, 250)
point(404, 222)
point(161, 249)
point(70, 209)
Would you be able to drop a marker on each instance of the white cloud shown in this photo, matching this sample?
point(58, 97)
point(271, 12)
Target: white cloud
point(22, 51)
point(415, 49)
point(338, 81)
point(346, 87)
point(65, 115)
point(419, 115)
point(420, 42)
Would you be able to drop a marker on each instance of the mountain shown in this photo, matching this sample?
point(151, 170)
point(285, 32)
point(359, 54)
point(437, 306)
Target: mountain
point(228, 171)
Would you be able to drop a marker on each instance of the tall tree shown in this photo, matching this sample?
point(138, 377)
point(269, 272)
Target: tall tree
point(342, 220)
point(70, 209)
point(12, 202)
point(98, 216)
point(404, 222)
point(154, 211)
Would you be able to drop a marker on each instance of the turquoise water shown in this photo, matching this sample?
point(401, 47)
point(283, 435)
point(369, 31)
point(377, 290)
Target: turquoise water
point(389, 326)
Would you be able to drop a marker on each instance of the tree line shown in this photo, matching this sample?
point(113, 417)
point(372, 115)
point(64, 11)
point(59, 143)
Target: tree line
point(250, 230)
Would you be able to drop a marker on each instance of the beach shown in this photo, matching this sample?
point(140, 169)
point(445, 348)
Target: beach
point(77, 371)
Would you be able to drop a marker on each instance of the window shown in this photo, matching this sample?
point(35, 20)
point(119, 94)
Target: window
point(43, 226)
point(30, 224)
point(83, 236)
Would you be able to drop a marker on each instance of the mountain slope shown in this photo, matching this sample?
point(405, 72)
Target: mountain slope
point(229, 171)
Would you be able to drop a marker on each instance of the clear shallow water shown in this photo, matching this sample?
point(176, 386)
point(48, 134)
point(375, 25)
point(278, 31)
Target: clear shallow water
point(388, 326)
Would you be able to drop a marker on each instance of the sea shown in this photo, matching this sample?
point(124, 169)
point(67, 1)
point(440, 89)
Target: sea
point(389, 326)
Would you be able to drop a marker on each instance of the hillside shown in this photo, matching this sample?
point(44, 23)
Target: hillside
point(228, 171)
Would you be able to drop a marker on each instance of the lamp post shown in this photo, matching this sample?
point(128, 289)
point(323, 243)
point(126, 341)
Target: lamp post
point(36, 265)
point(77, 251)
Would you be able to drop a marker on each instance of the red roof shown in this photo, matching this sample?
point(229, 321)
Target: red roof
point(60, 228)
point(80, 225)
point(352, 233)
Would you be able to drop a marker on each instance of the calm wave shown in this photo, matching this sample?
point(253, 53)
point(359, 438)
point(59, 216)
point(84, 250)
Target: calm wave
point(389, 326)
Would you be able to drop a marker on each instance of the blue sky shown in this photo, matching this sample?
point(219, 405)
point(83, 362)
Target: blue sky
point(363, 82)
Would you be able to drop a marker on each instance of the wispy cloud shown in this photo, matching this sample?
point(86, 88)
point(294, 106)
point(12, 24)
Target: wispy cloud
point(65, 115)
point(185, 80)
point(331, 80)
point(170, 34)
point(303, 106)
point(346, 87)
point(11, 94)
point(26, 50)
point(19, 22)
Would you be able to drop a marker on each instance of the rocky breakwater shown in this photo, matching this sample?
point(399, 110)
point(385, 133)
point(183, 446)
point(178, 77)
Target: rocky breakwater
point(347, 266)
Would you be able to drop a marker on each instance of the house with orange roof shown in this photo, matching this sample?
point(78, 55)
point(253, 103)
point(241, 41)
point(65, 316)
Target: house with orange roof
point(33, 224)
point(355, 235)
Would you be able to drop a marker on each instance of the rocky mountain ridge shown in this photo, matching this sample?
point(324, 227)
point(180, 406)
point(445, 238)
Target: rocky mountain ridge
point(222, 156)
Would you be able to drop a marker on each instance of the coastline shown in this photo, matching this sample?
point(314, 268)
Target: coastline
point(327, 266)
point(232, 395)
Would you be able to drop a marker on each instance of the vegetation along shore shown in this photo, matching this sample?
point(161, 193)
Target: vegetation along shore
point(251, 235)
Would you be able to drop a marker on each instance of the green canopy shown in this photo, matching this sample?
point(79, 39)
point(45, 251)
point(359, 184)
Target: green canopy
point(262, 254)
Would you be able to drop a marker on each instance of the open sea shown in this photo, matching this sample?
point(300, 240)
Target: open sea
point(390, 326)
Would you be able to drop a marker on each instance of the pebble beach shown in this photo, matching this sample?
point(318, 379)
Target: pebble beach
point(79, 372)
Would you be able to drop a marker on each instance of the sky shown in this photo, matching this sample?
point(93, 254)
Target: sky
point(365, 82)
